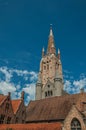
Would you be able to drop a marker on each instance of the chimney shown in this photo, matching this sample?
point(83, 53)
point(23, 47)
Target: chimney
point(82, 90)
point(9, 94)
point(22, 95)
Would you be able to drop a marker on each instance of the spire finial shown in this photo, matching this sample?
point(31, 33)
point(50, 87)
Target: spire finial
point(43, 49)
point(51, 32)
point(58, 51)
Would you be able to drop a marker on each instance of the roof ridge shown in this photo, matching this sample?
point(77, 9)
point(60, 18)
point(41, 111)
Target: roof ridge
point(70, 95)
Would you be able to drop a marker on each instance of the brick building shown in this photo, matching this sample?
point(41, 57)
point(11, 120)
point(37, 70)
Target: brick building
point(12, 111)
point(6, 110)
point(19, 110)
point(53, 109)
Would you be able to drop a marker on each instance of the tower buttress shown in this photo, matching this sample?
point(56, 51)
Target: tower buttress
point(58, 83)
point(39, 87)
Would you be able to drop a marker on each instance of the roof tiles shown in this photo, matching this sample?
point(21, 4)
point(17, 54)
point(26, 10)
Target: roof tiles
point(49, 109)
point(39, 126)
point(15, 105)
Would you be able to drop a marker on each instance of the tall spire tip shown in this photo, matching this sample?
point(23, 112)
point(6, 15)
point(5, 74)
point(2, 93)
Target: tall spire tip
point(51, 32)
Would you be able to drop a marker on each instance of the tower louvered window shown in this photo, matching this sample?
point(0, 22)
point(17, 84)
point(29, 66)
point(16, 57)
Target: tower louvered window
point(75, 124)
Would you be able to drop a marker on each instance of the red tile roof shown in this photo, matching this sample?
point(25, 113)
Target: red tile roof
point(2, 98)
point(15, 104)
point(38, 126)
point(49, 109)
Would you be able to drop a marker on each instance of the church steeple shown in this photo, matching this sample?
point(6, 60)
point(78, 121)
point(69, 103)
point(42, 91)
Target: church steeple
point(51, 45)
point(50, 79)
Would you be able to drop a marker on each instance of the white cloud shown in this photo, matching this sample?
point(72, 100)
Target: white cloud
point(9, 84)
point(67, 85)
point(19, 72)
point(6, 72)
point(30, 89)
point(6, 87)
point(33, 76)
point(74, 86)
point(80, 83)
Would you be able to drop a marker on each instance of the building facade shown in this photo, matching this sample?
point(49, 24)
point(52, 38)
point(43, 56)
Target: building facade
point(6, 110)
point(19, 110)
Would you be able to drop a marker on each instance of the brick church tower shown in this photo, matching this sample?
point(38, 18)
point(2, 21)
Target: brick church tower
point(50, 78)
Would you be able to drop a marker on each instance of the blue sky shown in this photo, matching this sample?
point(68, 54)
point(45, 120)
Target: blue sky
point(24, 30)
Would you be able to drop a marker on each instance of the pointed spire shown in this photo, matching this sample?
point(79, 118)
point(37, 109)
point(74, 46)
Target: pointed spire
point(51, 32)
point(51, 46)
point(43, 49)
point(39, 78)
point(58, 53)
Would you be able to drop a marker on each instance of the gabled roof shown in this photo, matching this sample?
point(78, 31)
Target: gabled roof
point(51, 109)
point(2, 98)
point(16, 104)
point(38, 126)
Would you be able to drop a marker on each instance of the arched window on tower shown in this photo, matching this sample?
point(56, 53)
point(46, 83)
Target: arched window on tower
point(75, 124)
point(47, 67)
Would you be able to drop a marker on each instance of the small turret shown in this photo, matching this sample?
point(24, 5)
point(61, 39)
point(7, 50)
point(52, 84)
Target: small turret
point(39, 78)
point(39, 87)
point(58, 53)
point(58, 83)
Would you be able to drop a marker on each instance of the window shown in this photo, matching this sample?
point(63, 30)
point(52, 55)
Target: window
point(2, 119)
point(44, 67)
point(47, 67)
point(84, 120)
point(75, 124)
point(16, 120)
point(51, 93)
point(48, 86)
point(23, 113)
point(48, 94)
point(45, 94)
point(22, 121)
point(8, 120)
point(7, 107)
